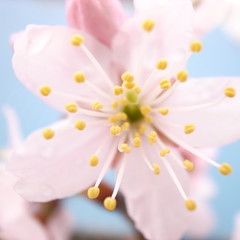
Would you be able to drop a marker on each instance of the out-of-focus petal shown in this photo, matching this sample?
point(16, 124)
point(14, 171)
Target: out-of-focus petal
point(101, 19)
point(236, 232)
point(153, 201)
point(60, 225)
point(45, 56)
point(15, 135)
point(169, 39)
point(209, 14)
point(14, 36)
point(59, 167)
point(212, 123)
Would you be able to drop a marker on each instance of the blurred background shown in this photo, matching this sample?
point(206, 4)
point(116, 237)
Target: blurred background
point(220, 57)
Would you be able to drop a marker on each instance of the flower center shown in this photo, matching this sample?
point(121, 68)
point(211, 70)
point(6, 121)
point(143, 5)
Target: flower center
point(133, 112)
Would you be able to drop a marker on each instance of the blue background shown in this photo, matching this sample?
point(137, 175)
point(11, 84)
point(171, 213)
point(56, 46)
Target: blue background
point(221, 57)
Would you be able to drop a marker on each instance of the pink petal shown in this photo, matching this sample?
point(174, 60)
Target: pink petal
point(15, 219)
point(45, 56)
point(202, 191)
point(14, 36)
point(59, 167)
point(215, 126)
point(236, 232)
point(153, 201)
point(209, 14)
point(170, 39)
point(15, 135)
point(101, 19)
point(60, 225)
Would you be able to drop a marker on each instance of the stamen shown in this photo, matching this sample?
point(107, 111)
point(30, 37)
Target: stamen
point(162, 64)
point(123, 101)
point(148, 119)
point(118, 90)
point(110, 203)
point(77, 40)
point(115, 130)
point(164, 152)
point(127, 77)
point(45, 90)
point(80, 124)
point(48, 133)
point(97, 65)
point(148, 25)
point(189, 128)
point(136, 142)
point(182, 76)
point(163, 111)
point(79, 77)
point(190, 205)
point(142, 128)
point(114, 104)
point(225, 169)
point(121, 116)
point(93, 161)
point(93, 192)
point(129, 85)
point(71, 107)
point(230, 92)
point(156, 168)
point(188, 165)
point(97, 106)
point(113, 119)
point(146, 109)
point(125, 148)
point(196, 46)
point(125, 126)
point(119, 177)
point(137, 89)
point(165, 83)
point(152, 137)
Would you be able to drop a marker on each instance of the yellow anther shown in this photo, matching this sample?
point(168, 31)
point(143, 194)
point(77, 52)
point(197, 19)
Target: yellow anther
point(137, 134)
point(148, 25)
point(190, 205)
point(225, 169)
point(80, 124)
point(97, 106)
point(156, 168)
point(121, 116)
point(125, 148)
point(123, 101)
point(110, 203)
point(145, 109)
point(142, 128)
point(45, 90)
point(148, 119)
point(127, 77)
point(93, 192)
point(129, 85)
point(118, 90)
point(137, 142)
point(162, 64)
point(115, 130)
point(152, 137)
point(71, 107)
point(164, 151)
point(196, 46)
point(125, 126)
point(79, 77)
point(114, 104)
point(163, 111)
point(182, 76)
point(165, 83)
point(48, 133)
point(229, 92)
point(113, 119)
point(77, 40)
point(93, 161)
point(137, 89)
point(188, 165)
point(189, 128)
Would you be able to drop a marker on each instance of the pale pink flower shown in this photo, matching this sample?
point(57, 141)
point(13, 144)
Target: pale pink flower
point(124, 124)
point(17, 218)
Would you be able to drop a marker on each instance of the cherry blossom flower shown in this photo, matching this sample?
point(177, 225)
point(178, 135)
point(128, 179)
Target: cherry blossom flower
point(20, 219)
point(129, 105)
